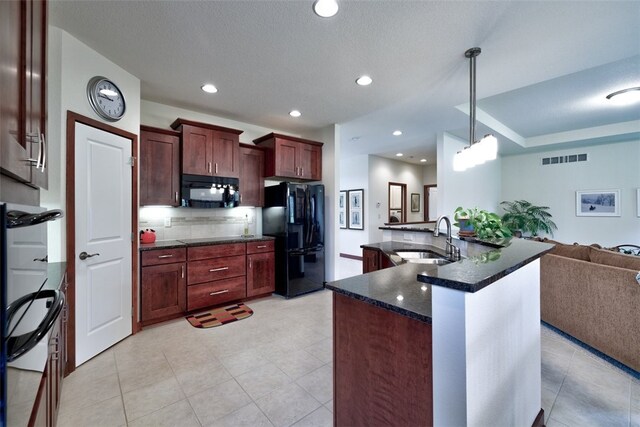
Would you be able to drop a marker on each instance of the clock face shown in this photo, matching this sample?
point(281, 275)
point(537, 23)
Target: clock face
point(106, 99)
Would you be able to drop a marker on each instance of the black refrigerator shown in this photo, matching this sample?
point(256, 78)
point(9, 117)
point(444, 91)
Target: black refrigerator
point(294, 215)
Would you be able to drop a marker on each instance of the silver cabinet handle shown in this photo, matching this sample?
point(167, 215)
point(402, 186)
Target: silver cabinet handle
point(84, 255)
point(182, 269)
point(43, 144)
point(250, 267)
point(165, 256)
point(219, 292)
point(218, 269)
point(176, 197)
point(209, 167)
point(216, 168)
point(261, 246)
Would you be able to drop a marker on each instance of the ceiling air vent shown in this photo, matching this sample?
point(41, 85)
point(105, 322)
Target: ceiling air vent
point(571, 158)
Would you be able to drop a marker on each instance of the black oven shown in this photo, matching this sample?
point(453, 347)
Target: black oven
point(30, 307)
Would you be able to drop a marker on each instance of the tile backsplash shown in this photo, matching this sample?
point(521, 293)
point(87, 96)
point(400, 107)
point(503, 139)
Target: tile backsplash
point(189, 223)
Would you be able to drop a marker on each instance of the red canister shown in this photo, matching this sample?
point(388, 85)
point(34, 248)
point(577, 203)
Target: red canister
point(147, 236)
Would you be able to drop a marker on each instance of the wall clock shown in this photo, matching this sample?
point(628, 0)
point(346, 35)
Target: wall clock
point(106, 98)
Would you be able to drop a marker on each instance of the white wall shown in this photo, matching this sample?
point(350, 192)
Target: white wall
point(610, 166)
point(430, 175)
point(475, 187)
point(71, 65)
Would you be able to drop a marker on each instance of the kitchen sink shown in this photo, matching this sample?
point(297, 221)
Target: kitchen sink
point(423, 257)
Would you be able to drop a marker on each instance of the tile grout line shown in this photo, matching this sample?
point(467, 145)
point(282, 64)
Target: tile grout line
point(124, 408)
point(561, 384)
point(181, 389)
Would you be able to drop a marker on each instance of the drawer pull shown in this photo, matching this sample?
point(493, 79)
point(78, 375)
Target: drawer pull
point(182, 268)
point(165, 256)
point(218, 269)
point(219, 292)
point(261, 247)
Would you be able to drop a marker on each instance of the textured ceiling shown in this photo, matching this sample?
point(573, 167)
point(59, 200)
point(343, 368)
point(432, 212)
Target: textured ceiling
point(268, 57)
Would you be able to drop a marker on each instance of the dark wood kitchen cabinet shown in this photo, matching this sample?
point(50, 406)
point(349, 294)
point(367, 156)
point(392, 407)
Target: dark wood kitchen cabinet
point(374, 260)
point(208, 149)
point(291, 157)
point(217, 274)
point(23, 53)
point(251, 175)
point(159, 167)
point(261, 268)
point(163, 284)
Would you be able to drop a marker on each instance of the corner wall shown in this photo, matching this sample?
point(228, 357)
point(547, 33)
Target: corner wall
point(609, 166)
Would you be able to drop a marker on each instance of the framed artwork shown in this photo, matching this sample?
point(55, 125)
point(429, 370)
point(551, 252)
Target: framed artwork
point(356, 209)
point(598, 203)
point(415, 202)
point(342, 209)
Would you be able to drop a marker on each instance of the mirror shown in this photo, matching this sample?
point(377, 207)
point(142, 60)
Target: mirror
point(397, 202)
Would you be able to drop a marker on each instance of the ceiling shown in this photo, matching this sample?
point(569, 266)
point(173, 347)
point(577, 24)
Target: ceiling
point(542, 73)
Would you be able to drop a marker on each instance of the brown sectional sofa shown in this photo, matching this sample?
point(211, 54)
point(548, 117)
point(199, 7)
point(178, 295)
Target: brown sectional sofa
point(592, 294)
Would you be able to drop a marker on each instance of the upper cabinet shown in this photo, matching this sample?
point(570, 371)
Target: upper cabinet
point(23, 31)
point(251, 175)
point(291, 157)
point(209, 149)
point(159, 167)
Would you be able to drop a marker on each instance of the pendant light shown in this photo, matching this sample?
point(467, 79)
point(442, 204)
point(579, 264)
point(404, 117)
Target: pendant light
point(481, 151)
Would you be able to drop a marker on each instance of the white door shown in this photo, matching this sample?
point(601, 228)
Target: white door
point(433, 203)
point(103, 240)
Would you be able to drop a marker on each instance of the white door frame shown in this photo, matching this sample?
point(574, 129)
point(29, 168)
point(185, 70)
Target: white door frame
point(70, 214)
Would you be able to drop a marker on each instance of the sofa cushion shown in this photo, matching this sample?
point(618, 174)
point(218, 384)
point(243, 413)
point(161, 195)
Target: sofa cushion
point(603, 256)
point(574, 251)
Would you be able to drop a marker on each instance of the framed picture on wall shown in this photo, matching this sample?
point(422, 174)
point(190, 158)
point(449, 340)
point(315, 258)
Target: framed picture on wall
point(356, 209)
point(598, 203)
point(342, 209)
point(415, 202)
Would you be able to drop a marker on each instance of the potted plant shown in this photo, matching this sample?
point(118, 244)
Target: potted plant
point(485, 225)
point(522, 217)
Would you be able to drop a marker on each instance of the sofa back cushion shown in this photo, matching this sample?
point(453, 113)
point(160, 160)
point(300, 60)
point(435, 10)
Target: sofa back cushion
point(603, 256)
point(575, 251)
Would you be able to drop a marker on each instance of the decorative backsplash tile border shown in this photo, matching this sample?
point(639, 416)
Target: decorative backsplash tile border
point(189, 223)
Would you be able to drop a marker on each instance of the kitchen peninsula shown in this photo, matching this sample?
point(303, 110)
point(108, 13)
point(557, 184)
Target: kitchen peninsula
point(440, 343)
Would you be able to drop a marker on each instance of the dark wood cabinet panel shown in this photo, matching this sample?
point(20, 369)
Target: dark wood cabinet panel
point(251, 176)
point(159, 167)
point(291, 157)
point(214, 251)
point(216, 269)
point(260, 273)
point(370, 259)
point(208, 149)
point(259, 247)
point(214, 293)
point(164, 290)
point(393, 365)
point(163, 256)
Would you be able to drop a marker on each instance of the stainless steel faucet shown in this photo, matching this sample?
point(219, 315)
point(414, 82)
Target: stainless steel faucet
point(451, 250)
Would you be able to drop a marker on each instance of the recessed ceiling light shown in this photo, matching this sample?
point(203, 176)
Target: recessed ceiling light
point(209, 88)
point(295, 113)
point(399, 154)
point(423, 160)
point(364, 80)
point(325, 8)
point(625, 96)
point(397, 132)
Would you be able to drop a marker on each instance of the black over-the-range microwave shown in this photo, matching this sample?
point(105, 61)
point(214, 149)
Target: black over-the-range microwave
point(199, 191)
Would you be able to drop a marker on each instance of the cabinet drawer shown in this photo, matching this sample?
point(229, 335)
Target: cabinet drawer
point(214, 293)
point(214, 251)
point(163, 256)
point(257, 247)
point(216, 269)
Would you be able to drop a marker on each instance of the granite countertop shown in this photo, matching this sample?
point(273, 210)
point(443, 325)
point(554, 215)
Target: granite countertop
point(399, 288)
point(205, 241)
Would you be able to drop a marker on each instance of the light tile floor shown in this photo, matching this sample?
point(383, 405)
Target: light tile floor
point(275, 369)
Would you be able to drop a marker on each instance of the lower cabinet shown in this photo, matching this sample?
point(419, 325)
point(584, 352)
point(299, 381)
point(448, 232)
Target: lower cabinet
point(261, 271)
point(217, 292)
point(374, 260)
point(163, 290)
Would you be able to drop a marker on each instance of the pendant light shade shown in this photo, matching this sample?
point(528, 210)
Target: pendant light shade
point(481, 151)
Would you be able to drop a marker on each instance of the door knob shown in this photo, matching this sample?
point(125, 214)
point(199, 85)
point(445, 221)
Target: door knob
point(84, 255)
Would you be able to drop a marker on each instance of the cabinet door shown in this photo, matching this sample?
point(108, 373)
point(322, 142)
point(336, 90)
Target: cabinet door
point(226, 154)
point(35, 118)
point(286, 153)
point(160, 169)
point(251, 177)
point(197, 146)
point(260, 273)
point(369, 260)
point(164, 290)
point(13, 147)
point(310, 162)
